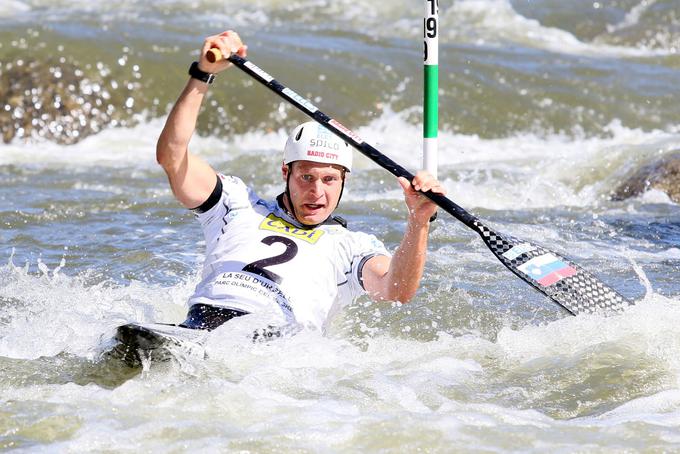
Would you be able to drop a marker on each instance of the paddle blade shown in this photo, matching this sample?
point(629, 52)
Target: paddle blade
point(558, 278)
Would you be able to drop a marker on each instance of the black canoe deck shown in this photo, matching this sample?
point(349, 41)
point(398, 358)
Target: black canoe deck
point(139, 342)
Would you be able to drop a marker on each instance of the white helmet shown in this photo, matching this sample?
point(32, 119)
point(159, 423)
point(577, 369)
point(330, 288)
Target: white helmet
point(312, 142)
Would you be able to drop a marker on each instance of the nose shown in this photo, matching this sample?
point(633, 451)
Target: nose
point(316, 188)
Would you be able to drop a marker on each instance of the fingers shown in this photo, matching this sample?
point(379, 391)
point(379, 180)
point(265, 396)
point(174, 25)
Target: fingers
point(405, 185)
point(424, 181)
point(421, 208)
point(228, 42)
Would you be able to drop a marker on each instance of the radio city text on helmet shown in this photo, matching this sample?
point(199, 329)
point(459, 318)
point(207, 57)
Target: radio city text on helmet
point(312, 142)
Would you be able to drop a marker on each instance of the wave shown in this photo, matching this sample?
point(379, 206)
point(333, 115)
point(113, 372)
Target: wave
point(624, 359)
point(643, 29)
point(646, 29)
point(527, 170)
point(46, 312)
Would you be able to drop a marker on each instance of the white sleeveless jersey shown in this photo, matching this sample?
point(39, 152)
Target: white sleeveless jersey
point(258, 259)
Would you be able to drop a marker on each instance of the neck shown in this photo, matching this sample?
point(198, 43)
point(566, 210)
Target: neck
point(284, 202)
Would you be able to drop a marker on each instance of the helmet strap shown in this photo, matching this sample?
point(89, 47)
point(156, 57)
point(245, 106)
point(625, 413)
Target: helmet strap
point(342, 189)
point(287, 192)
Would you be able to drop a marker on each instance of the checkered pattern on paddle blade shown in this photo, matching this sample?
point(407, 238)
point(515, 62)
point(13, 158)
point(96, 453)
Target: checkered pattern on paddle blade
point(560, 279)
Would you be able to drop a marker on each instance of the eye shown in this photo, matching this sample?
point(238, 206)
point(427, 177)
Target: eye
point(330, 179)
point(307, 178)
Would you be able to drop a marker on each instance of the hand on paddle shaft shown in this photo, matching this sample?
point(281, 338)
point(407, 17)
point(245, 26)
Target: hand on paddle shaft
point(214, 47)
point(420, 208)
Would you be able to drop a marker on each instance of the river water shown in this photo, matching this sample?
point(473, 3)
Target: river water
point(545, 107)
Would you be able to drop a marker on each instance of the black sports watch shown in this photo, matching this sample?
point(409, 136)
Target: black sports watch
point(196, 73)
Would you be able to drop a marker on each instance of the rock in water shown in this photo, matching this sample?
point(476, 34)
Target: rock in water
point(662, 174)
point(54, 99)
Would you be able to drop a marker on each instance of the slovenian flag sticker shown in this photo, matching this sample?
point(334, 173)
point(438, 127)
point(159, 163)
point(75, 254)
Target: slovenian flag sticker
point(547, 269)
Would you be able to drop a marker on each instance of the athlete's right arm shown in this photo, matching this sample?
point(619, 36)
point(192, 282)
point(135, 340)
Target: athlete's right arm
point(192, 180)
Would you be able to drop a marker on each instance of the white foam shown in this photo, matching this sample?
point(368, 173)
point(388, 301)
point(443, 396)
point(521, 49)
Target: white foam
point(645, 327)
point(656, 196)
point(521, 171)
point(660, 408)
point(59, 313)
point(483, 22)
point(525, 170)
point(335, 389)
point(495, 22)
point(633, 16)
point(9, 8)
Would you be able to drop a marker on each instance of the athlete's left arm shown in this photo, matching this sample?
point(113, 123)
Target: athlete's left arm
point(398, 278)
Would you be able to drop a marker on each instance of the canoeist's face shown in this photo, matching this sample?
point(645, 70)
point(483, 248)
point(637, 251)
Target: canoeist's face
point(315, 190)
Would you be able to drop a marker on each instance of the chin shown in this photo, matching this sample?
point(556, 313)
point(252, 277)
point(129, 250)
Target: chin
point(314, 219)
point(311, 220)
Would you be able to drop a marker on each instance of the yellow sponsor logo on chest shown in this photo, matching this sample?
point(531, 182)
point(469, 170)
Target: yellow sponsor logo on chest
point(276, 224)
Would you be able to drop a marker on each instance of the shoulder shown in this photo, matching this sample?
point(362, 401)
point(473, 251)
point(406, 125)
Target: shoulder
point(230, 193)
point(236, 193)
point(363, 237)
point(231, 183)
point(360, 243)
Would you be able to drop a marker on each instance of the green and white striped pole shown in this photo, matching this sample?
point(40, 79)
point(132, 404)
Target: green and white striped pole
point(431, 85)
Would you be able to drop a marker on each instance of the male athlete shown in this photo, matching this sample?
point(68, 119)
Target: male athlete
point(289, 257)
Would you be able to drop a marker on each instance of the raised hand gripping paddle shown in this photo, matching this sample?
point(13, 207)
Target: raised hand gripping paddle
point(560, 279)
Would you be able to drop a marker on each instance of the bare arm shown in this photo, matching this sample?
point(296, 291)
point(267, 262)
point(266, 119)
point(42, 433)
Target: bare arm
point(398, 278)
point(192, 180)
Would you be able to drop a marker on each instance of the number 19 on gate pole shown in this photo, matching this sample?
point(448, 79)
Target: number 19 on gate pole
point(431, 85)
